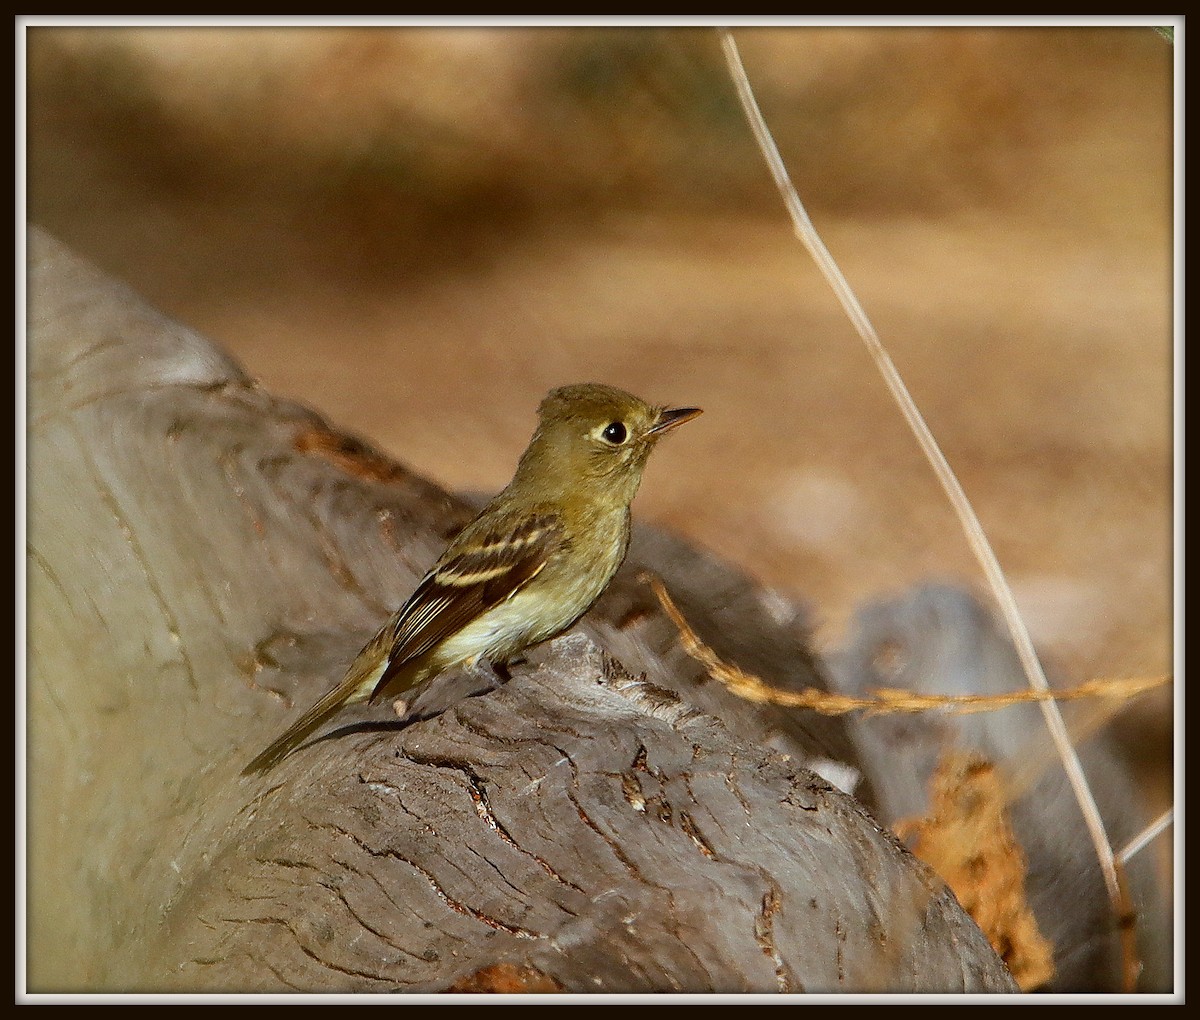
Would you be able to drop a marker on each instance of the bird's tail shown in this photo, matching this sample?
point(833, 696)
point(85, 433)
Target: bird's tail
point(342, 694)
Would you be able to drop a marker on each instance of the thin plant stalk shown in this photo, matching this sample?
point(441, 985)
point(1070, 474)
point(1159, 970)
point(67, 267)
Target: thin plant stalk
point(808, 235)
point(1143, 838)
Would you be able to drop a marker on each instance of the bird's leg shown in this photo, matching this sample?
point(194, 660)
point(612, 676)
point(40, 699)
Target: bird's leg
point(483, 674)
point(494, 674)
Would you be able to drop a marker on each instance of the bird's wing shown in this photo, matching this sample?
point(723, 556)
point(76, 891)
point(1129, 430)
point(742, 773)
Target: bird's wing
point(479, 571)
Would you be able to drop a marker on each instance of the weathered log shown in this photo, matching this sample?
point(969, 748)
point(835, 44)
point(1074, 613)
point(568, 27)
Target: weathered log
point(203, 560)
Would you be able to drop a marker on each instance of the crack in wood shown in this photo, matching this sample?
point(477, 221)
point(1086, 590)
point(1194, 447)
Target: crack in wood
point(63, 368)
point(315, 957)
point(109, 499)
point(477, 730)
point(285, 862)
point(611, 843)
point(641, 763)
point(230, 467)
point(363, 922)
point(477, 791)
point(279, 977)
point(328, 548)
point(69, 717)
point(713, 815)
point(336, 564)
point(400, 906)
point(66, 410)
point(764, 934)
point(839, 936)
point(692, 831)
point(732, 786)
point(659, 807)
point(48, 570)
point(455, 905)
point(680, 932)
point(632, 791)
point(503, 877)
point(483, 808)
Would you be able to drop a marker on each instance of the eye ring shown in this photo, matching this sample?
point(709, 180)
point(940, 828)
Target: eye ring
point(615, 433)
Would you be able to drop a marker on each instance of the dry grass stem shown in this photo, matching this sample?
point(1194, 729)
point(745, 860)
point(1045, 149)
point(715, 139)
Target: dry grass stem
point(883, 700)
point(1144, 838)
point(962, 507)
point(1088, 719)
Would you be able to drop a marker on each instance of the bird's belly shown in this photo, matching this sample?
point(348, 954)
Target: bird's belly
point(529, 617)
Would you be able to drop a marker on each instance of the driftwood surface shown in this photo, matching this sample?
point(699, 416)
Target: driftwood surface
point(203, 560)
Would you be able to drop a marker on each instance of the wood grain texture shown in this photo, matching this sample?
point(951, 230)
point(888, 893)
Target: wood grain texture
point(203, 557)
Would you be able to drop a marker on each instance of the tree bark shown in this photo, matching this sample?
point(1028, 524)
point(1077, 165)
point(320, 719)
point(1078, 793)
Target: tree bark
point(203, 560)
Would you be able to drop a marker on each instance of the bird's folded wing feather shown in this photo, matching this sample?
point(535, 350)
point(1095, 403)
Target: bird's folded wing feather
point(472, 577)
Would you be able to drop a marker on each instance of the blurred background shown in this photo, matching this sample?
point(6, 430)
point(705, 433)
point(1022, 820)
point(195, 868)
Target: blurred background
point(419, 231)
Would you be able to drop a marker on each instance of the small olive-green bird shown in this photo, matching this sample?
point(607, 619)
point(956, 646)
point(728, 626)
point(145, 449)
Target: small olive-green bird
point(532, 563)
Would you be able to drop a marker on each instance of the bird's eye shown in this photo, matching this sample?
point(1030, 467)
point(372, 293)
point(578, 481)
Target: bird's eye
point(615, 433)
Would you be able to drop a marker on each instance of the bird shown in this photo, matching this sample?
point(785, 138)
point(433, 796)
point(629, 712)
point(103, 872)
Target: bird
point(530, 564)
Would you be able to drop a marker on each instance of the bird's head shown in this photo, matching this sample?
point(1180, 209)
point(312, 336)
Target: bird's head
point(596, 438)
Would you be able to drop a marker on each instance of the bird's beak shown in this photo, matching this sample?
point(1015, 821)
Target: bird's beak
point(669, 418)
